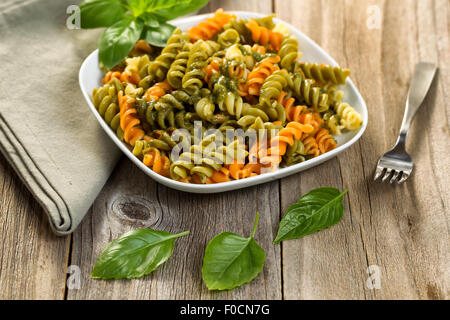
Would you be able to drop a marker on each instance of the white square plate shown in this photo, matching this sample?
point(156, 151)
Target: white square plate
point(91, 76)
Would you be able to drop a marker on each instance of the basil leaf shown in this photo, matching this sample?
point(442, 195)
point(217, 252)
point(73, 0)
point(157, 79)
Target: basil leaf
point(178, 8)
point(135, 254)
point(231, 260)
point(100, 13)
point(118, 40)
point(149, 20)
point(158, 36)
point(318, 209)
point(137, 7)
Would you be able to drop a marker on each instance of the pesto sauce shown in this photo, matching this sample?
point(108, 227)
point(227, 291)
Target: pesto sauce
point(258, 56)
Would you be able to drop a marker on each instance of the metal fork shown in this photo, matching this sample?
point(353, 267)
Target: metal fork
point(396, 164)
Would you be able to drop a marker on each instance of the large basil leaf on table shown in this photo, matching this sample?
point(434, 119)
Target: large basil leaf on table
point(318, 209)
point(231, 260)
point(135, 254)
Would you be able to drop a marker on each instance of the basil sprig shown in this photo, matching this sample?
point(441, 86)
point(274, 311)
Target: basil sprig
point(318, 209)
point(127, 21)
point(135, 254)
point(231, 260)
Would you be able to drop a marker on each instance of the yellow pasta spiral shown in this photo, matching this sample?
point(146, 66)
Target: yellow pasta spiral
point(350, 118)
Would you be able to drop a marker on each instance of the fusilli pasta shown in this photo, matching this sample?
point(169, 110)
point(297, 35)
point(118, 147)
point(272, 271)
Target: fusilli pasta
point(225, 100)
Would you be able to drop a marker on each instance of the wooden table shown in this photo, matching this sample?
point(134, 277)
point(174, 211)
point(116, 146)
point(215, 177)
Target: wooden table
point(404, 230)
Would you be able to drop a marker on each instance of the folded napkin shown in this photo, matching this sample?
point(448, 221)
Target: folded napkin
point(47, 132)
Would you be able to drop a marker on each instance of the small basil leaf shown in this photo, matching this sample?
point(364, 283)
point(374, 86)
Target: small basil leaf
point(159, 36)
point(100, 13)
point(231, 260)
point(135, 254)
point(149, 20)
point(179, 8)
point(118, 40)
point(318, 209)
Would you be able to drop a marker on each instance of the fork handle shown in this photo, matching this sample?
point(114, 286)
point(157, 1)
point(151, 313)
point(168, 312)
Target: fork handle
point(420, 85)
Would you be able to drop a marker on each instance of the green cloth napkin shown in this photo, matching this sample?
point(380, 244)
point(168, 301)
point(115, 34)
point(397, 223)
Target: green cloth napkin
point(47, 131)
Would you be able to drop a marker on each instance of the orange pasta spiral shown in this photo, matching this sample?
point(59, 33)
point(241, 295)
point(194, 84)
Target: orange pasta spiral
point(207, 29)
point(122, 76)
point(221, 176)
point(217, 177)
point(157, 91)
point(212, 68)
point(235, 70)
point(293, 113)
point(126, 76)
point(311, 118)
point(159, 163)
point(141, 47)
point(129, 121)
point(325, 140)
point(258, 49)
point(310, 145)
point(111, 74)
point(131, 77)
point(259, 73)
point(315, 120)
point(196, 179)
point(278, 144)
point(241, 171)
point(264, 36)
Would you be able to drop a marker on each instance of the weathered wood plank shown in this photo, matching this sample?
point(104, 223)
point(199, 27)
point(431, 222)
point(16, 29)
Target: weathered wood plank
point(32, 259)
point(131, 199)
point(403, 229)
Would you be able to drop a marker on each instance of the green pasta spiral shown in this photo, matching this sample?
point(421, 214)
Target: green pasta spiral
point(256, 111)
point(196, 161)
point(272, 87)
point(335, 95)
point(304, 89)
point(241, 28)
point(162, 140)
point(175, 99)
point(157, 70)
point(198, 55)
point(178, 68)
point(206, 157)
point(294, 154)
point(288, 53)
point(332, 122)
point(106, 102)
point(163, 118)
point(228, 38)
point(257, 124)
point(205, 108)
point(324, 73)
point(185, 120)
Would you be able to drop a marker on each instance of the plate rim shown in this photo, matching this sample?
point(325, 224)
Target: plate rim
point(235, 184)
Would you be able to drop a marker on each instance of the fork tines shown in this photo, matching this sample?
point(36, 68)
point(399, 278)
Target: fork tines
point(394, 175)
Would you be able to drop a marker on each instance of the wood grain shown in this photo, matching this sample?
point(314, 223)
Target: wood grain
point(402, 229)
point(33, 261)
